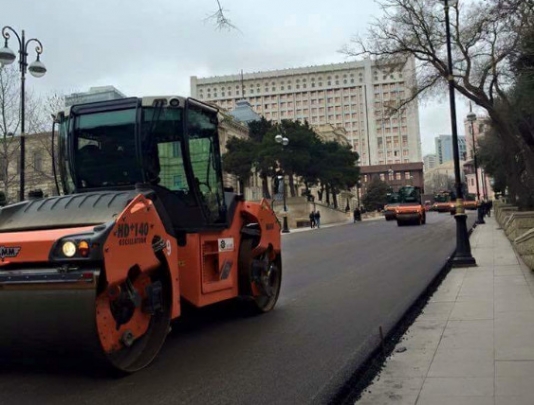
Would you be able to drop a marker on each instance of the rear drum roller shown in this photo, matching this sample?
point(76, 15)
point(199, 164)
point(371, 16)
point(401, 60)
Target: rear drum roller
point(260, 277)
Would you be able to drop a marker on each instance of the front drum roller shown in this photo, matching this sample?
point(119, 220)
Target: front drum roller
point(133, 320)
point(85, 321)
point(260, 276)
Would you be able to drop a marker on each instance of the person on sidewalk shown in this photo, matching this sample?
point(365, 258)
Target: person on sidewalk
point(312, 220)
point(317, 217)
point(357, 215)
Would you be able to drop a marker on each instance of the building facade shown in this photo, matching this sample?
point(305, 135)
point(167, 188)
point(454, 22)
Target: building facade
point(444, 148)
point(475, 130)
point(38, 172)
point(331, 133)
point(101, 93)
point(356, 96)
point(429, 161)
point(396, 176)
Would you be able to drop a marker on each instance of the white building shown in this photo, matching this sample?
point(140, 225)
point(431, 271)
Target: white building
point(430, 161)
point(353, 95)
point(100, 93)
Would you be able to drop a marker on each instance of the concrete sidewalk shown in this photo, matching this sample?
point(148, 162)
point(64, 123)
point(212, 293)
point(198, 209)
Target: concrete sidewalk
point(474, 342)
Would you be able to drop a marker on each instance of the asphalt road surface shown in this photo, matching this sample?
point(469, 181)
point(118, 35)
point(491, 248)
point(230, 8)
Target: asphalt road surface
point(340, 285)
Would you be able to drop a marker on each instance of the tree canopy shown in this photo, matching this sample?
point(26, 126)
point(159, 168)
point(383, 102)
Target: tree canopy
point(376, 195)
point(492, 44)
point(306, 157)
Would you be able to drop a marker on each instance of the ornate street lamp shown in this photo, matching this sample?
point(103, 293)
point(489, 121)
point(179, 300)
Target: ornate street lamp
point(463, 255)
point(36, 68)
point(284, 141)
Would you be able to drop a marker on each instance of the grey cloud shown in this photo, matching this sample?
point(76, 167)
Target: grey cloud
point(153, 47)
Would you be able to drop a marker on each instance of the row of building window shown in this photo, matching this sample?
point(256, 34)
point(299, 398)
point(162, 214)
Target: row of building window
point(37, 163)
point(237, 93)
point(330, 80)
point(391, 176)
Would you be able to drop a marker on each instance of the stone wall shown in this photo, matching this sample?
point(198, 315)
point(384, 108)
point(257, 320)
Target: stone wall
point(519, 228)
point(299, 209)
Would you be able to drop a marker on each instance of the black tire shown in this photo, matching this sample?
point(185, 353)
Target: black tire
point(272, 282)
point(400, 223)
point(423, 222)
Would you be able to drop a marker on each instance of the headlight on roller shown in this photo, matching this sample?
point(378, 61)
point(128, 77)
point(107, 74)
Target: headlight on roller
point(68, 248)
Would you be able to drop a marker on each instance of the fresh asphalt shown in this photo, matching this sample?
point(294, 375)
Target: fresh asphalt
point(340, 285)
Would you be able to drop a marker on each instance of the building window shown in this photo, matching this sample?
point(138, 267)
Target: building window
point(178, 182)
point(407, 175)
point(176, 150)
point(38, 161)
point(397, 176)
point(382, 177)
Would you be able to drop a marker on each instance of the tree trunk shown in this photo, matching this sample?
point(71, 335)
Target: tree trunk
point(265, 186)
point(334, 197)
point(292, 185)
point(327, 191)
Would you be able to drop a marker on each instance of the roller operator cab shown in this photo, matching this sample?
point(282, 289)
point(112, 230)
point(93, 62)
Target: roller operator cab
point(410, 209)
point(444, 201)
point(143, 222)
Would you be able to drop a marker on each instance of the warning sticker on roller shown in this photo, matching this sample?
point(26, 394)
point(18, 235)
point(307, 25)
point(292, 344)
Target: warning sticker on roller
point(226, 245)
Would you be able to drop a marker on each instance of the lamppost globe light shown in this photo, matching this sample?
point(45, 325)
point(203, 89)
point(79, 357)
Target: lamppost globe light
point(278, 138)
point(37, 68)
point(285, 141)
point(471, 117)
point(7, 56)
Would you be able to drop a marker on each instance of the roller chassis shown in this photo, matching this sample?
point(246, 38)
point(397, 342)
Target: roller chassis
point(109, 267)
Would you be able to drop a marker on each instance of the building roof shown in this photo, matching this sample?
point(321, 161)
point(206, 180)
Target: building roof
point(243, 112)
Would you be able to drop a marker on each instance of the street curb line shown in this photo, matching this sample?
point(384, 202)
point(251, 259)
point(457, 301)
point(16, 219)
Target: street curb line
point(364, 375)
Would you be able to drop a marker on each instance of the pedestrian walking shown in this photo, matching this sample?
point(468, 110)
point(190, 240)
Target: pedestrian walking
point(357, 215)
point(312, 220)
point(317, 217)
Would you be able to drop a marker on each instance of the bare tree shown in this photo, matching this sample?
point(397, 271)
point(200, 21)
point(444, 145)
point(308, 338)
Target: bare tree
point(436, 182)
point(484, 34)
point(40, 121)
point(221, 21)
point(9, 126)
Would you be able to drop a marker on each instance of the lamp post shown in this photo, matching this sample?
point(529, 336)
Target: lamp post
point(284, 141)
point(36, 68)
point(463, 255)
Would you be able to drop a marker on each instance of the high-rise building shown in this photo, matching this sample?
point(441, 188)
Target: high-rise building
point(444, 148)
point(430, 161)
point(356, 96)
point(101, 93)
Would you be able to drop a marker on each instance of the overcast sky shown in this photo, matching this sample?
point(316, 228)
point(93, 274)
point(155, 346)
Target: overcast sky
point(151, 47)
